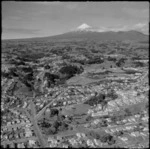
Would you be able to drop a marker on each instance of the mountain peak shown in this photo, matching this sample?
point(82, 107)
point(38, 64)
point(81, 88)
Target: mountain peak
point(83, 26)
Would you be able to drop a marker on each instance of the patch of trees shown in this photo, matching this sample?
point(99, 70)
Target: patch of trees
point(45, 124)
point(52, 79)
point(13, 72)
point(71, 70)
point(112, 94)
point(130, 71)
point(16, 62)
point(94, 50)
point(98, 99)
point(118, 116)
point(102, 136)
point(111, 59)
point(25, 75)
point(89, 118)
point(128, 112)
point(65, 56)
point(82, 62)
point(6, 75)
point(57, 126)
point(54, 112)
point(147, 106)
point(136, 58)
point(58, 123)
point(119, 133)
point(27, 69)
point(103, 123)
point(95, 60)
point(139, 64)
point(121, 62)
point(57, 51)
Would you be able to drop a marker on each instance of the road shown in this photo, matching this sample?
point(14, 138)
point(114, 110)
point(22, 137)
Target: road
point(55, 99)
point(37, 131)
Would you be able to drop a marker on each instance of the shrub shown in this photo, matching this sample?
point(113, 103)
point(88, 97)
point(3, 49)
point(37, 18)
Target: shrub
point(120, 62)
point(54, 112)
point(111, 59)
point(95, 100)
point(51, 130)
point(112, 94)
point(128, 112)
point(95, 60)
point(139, 64)
point(71, 70)
point(6, 75)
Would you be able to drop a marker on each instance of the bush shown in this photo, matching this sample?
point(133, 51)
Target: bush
point(51, 78)
point(111, 59)
point(95, 100)
point(112, 95)
point(51, 130)
point(94, 134)
point(6, 75)
point(128, 112)
point(54, 112)
point(95, 60)
point(120, 62)
point(139, 64)
point(71, 70)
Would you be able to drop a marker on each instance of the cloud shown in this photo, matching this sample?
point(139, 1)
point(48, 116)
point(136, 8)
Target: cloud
point(20, 30)
point(142, 27)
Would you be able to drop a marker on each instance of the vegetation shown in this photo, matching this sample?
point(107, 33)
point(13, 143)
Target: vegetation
point(121, 62)
point(70, 70)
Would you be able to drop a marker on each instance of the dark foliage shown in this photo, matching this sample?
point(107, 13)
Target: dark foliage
point(51, 78)
point(111, 59)
point(139, 64)
point(128, 112)
point(54, 112)
point(120, 62)
point(6, 75)
point(95, 60)
point(71, 70)
point(95, 100)
point(47, 67)
point(112, 94)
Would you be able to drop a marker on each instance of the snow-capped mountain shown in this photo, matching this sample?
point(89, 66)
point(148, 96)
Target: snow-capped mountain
point(87, 32)
point(85, 27)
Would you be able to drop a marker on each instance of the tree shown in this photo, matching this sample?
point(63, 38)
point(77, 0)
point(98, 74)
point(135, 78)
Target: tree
point(70, 70)
point(47, 67)
point(51, 130)
point(114, 119)
point(54, 112)
point(120, 62)
point(88, 118)
point(127, 112)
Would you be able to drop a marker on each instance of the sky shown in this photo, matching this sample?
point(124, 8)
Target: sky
point(40, 19)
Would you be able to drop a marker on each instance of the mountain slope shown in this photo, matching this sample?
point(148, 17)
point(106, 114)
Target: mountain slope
point(128, 35)
point(86, 32)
